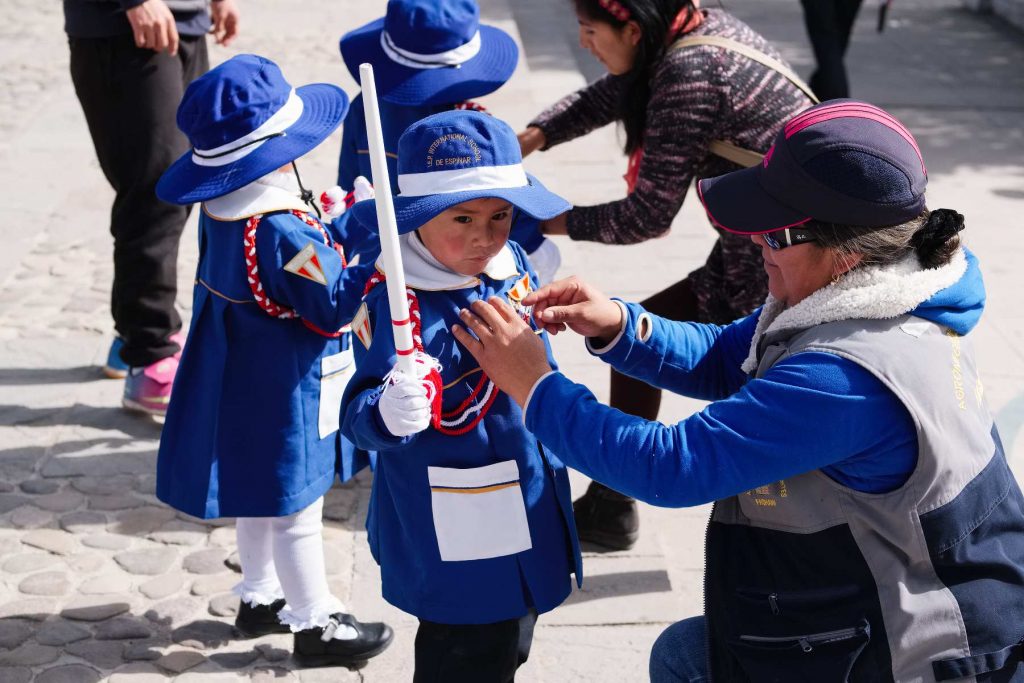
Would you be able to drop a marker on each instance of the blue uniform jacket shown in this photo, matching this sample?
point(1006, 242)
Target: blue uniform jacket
point(467, 529)
point(252, 426)
point(361, 242)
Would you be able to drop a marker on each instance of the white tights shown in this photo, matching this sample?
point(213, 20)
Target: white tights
point(284, 557)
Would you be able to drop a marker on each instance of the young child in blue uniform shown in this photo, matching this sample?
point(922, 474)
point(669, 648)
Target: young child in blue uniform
point(470, 519)
point(428, 56)
point(252, 426)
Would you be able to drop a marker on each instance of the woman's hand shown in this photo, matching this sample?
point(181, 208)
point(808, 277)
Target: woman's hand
point(531, 139)
point(507, 348)
point(574, 304)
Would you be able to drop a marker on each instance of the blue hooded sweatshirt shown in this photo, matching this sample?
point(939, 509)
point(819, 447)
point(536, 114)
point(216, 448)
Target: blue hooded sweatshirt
point(811, 411)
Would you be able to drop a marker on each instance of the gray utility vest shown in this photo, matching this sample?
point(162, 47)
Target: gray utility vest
point(808, 580)
point(187, 5)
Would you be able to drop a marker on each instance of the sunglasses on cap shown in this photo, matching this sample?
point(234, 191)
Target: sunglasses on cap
point(787, 237)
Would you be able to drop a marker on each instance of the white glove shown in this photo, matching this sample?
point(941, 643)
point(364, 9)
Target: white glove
point(362, 189)
point(404, 407)
point(332, 201)
point(545, 261)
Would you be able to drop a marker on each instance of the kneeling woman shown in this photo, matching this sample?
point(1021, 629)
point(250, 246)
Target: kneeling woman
point(866, 521)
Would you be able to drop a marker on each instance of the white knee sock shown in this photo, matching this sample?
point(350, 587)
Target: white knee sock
point(259, 585)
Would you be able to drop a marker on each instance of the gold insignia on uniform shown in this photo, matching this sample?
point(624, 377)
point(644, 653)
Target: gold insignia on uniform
point(361, 326)
point(307, 264)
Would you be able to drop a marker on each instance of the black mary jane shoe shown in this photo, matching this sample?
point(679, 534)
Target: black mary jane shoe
point(318, 647)
point(253, 621)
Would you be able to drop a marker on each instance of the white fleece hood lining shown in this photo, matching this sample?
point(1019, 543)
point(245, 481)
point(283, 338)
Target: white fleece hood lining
point(871, 292)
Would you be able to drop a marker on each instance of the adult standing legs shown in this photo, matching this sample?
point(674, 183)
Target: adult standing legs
point(829, 25)
point(130, 97)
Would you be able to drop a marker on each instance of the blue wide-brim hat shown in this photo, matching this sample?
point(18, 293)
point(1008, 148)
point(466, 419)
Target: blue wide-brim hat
point(455, 157)
point(243, 120)
point(843, 161)
point(431, 52)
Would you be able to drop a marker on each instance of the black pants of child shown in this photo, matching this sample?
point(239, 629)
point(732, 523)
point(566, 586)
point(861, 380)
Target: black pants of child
point(130, 98)
point(472, 653)
point(829, 24)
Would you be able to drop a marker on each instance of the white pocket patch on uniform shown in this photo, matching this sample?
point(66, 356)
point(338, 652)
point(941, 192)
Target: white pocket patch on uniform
point(335, 372)
point(479, 512)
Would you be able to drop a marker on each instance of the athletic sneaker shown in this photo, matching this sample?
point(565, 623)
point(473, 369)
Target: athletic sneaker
point(148, 389)
point(115, 368)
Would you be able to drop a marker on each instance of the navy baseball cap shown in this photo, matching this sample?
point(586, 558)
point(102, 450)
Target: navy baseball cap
point(843, 161)
point(455, 157)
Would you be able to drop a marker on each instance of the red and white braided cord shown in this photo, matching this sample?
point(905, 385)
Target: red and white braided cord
point(471, 411)
point(269, 306)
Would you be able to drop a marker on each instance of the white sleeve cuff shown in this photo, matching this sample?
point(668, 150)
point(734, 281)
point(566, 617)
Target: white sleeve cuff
point(622, 330)
point(529, 396)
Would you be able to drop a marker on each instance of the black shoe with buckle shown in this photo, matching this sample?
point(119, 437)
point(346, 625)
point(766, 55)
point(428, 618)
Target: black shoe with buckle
point(606, 518)
point(319, 647)
point(253, 621)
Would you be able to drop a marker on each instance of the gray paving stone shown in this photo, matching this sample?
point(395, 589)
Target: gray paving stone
point(137, 673)
point(224, 605)
point(203, 633)
point(146, 484)
point(330, 674)
point(6, 487)
point(180, 660)
point(35, 609)
point(69, 673)
point(271, 653)
point(117, 501)
point(179, 532)
point(29, 562)
point(174, 611)
point(209, 561)
point(106, 541)
point(123, 628)
point(45, 583)
point(141, 521)
point(61, 501)
point(234, 661)
point(16, 674)
point(14, 632)
point(105, 584)
point(222, 537)
point(105, 654)
point(148, 561)
point(95, 608)
point(232, 563)
point(83, 521)
point(9, 501)
point(60, 632)
point(214, 583)
point(70, 465)
point(39, 486)
point(144, 651)
point(52, 540)
point(105, 486)
point(162, 586)
point(31, 517)
point(29, 654)
point(86, 563)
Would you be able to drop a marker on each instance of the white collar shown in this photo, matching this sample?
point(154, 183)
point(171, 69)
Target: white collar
point(252, 199)
point(424, 272)
point(869, 293)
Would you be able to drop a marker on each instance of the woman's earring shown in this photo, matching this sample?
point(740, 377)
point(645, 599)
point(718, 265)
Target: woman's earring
point(836, 277)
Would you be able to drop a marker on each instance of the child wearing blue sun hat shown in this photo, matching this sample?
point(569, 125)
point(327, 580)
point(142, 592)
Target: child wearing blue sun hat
point(252, 425)
point(470, 518)
point(428, 56)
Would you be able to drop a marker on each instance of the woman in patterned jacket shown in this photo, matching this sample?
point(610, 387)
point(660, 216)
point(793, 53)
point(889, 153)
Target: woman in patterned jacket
point(698, 93)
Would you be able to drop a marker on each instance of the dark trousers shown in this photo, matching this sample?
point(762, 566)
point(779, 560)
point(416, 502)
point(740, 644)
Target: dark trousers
point(472, 653)
point(130, 98)
point(829, 24)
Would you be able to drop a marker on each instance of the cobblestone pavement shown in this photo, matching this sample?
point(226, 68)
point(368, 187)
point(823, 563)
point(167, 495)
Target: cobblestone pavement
point(99, 580)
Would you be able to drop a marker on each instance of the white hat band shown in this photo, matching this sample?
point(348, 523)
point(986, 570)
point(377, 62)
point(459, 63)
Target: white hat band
point(231, 152)
point(416, 60)
point(461, 180)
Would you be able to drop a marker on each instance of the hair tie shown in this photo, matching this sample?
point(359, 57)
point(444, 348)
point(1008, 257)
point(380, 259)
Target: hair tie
point(615, 8)
point(941, 226)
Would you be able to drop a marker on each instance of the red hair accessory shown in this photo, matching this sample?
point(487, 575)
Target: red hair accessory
point(615, 8)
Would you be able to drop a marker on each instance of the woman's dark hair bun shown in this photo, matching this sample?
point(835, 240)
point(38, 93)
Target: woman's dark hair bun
point(937, 241)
